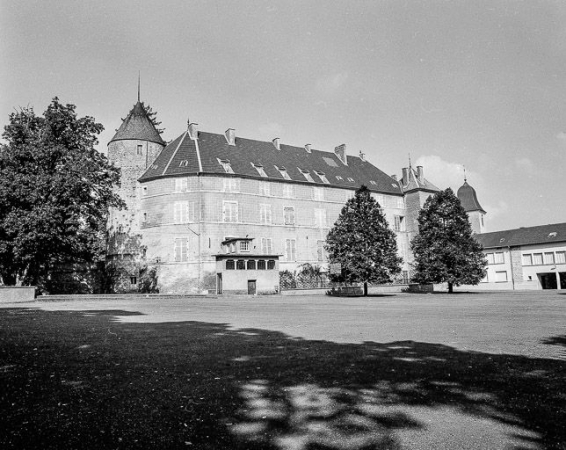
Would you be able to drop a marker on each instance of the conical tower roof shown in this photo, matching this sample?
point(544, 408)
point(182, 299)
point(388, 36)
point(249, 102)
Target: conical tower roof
point(138, 126)
point(468, 198)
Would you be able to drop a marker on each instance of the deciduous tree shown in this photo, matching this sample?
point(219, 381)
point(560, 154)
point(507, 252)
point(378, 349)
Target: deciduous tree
point(445, 250)
point(55, 191)
point(362, 242)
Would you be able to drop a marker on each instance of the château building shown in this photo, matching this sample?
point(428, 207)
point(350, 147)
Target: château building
point(222, 213)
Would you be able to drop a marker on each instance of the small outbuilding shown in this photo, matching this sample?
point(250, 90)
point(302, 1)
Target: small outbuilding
point(241, 271)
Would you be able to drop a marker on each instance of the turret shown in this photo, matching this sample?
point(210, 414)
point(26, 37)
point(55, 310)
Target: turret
point(469, 199)
point(133, 148)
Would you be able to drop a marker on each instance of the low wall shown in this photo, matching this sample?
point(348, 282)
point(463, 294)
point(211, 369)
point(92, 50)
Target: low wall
point(15, 294)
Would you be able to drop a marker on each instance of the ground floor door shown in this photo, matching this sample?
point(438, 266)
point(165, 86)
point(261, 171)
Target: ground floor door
point(219, 283)
point(251, 287)
point(562, 280)
point(548, 280)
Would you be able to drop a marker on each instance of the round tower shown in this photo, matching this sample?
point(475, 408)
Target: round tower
point(133, 149)
point(469, 199)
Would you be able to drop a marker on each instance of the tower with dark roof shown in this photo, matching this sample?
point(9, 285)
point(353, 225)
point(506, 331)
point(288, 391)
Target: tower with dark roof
point(134, 147)
point(469, 199)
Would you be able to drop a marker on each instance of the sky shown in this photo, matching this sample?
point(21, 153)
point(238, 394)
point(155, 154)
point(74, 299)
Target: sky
point(448, 84)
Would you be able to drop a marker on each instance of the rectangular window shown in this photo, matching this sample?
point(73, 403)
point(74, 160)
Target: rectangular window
point(320, 254)
point(271, 264)
point(230, 211)
point(181, 249)
point(230, 265)
point(549, 258)
point(490, 258)
point(244, 246)
point(320, 217)
point(240, 264)
point(528, 260)
point(499, 258)
point(288, 190)
point(501, 277)
point(266, 246)
point(231, 185)
point(399, 223)
point(181, 184)
point(537, 259)
point(560, 257)
point(139, 152)
point(379, 199)
point(265, 214)
point(290, 250)
point(289, 214)
point(133, 280)
point(264, 188)
point(261, 264)
point(400, 202)
point(181, 212)
point(318, 193)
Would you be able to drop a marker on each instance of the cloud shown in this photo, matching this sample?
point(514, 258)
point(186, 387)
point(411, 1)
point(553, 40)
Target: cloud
point(444, 174)
point(270, 131)
point(330, 84)
point(561, 136)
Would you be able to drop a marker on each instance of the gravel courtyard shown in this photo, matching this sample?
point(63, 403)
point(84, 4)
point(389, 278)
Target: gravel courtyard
point(398, 371)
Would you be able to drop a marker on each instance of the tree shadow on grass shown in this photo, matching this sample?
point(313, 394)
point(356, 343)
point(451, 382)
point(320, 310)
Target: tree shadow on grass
point(70, 383)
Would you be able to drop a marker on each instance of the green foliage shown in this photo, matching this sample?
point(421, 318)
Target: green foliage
point(147, 282)
point(362, 242)
point(445, 250)
point(55, 192)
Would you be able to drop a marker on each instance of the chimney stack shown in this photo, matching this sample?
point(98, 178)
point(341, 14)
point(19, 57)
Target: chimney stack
point(341, 153)
point(362, 156)
point(420, 175)
point(193, 131)
point(405, 177)
point(230, 135)
point(308, 148)
point(276, 143)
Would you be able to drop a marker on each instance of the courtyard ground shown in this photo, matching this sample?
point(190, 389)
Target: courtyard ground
point(399, 371)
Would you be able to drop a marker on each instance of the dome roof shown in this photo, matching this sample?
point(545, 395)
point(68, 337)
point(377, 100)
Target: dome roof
point(467, 196)
point(138, 126)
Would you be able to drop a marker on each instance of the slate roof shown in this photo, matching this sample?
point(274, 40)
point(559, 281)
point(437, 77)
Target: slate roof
point(542, 234)
point(184, 156)
point(412, 182)
point(138, 126)
point(468, 198)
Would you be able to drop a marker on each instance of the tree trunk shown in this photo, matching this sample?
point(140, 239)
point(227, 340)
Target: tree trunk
point(450, 288)
point(365, 289)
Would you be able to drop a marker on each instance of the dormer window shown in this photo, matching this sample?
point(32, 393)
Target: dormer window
point(283, 171)
point(260, 170)
point(184, 163)
point(306, 174)
point(322, 176)
point(351, 180)
point(373, 182)
point(226, 165)
point(339, 178)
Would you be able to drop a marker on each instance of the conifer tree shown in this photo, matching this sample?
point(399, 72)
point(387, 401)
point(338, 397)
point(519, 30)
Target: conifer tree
point(445, 250)
point(362, 242)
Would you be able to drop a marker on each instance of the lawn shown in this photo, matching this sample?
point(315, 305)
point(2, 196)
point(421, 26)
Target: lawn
point(393, 372)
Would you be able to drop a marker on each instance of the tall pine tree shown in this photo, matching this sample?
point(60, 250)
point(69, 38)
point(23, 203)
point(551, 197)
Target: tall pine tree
point(445, 250)
point(362, 242)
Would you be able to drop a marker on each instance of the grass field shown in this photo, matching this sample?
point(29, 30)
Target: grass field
point(436, 371)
